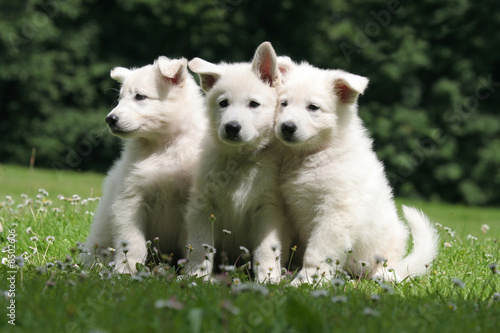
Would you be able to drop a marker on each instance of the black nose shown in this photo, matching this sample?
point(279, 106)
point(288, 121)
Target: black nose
point(112, 120)
point(232, 129)
point(288, 128)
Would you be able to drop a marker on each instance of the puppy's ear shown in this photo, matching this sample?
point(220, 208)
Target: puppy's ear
point(209, 73)
point(285, 64)
point(348, 86)
point(265, 64)
point(119, 73)
point(174, 71)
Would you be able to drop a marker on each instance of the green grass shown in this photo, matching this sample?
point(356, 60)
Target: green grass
point(63, 298)
point(15, 180)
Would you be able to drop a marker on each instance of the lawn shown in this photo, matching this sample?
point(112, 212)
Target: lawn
point(15, 180)
point(461, 293)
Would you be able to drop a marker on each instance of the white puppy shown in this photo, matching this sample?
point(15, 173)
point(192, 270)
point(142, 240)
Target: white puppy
point(335, 189)
point(161, 114)
point(237, 178)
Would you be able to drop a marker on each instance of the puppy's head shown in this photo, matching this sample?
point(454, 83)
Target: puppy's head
point(241, 97)
point(148, 98)
point(314, 104)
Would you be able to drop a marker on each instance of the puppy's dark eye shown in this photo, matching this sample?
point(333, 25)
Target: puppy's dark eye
point(139, 97)
point(312, 107)
point(284, 103)
point(254, 104)
point(223, 103)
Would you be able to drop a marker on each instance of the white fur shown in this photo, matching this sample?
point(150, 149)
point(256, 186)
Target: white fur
point(237, 178)
point(145, 192)
point(336, 193)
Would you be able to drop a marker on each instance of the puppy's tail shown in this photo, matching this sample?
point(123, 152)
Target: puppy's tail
point(425, 246)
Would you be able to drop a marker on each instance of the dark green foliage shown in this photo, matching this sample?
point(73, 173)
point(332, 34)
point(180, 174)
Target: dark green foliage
point(430, 106)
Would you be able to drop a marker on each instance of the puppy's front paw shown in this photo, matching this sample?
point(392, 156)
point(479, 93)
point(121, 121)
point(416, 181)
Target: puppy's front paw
point(270, 275)
point(386, 274)
point(200, 271)
point(311, 276)
point(126, 267)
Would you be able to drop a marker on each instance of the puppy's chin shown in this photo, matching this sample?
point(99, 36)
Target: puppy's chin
point(122, 133)
point(298, 143)
point(235, 142)
point(289, 141)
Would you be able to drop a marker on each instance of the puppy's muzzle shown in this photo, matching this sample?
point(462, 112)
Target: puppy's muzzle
point(288, 129)
point(232, 130)
point(112, 121)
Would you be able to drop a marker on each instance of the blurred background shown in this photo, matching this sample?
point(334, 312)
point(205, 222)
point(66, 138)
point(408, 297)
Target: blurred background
point(431, 105)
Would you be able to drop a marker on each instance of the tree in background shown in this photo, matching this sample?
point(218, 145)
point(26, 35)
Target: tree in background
point(430, 105)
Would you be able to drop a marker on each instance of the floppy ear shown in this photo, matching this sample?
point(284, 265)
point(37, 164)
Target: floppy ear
point(209, 73)
point(265, 64)
point(174, 71)
point(119, 73)
point(348, 86)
